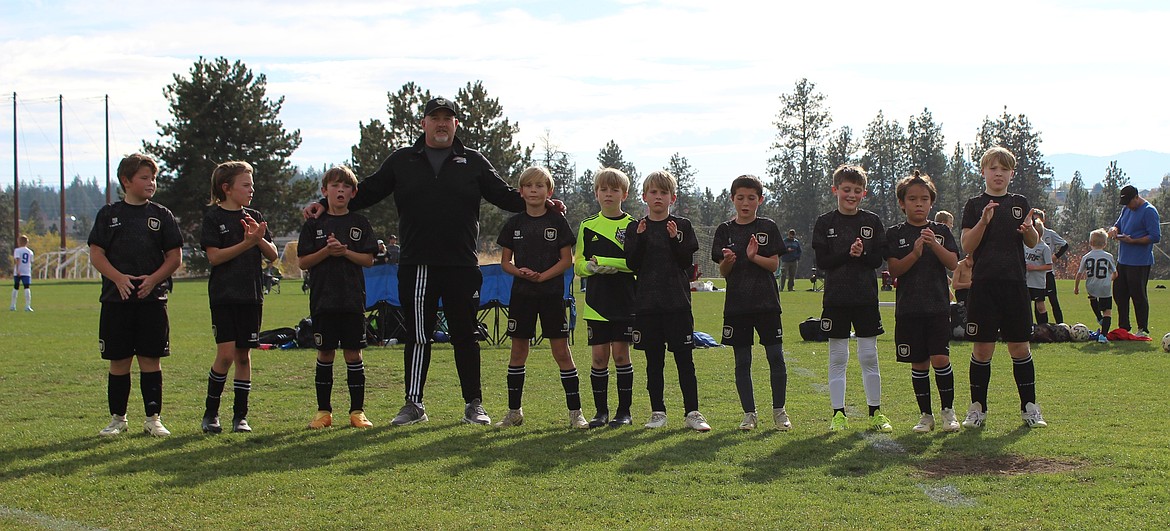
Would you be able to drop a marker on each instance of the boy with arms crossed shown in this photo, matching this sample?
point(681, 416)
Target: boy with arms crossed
point(748, 250)
point(609, 296)
point(334, 248)
point(537, 249)
point(659, 249)
point(136, 245)
point(920, 254)
point(1099, 269)
point(997, 225)
point(849, 244)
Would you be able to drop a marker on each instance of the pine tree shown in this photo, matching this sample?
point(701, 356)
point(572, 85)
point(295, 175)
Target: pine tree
point(801, 176)
point(1078, 217)
point(610, 156)
point(885, 161)
point(1033, 177)
point(687, 205)
point(1107, 209)
point(925, 145)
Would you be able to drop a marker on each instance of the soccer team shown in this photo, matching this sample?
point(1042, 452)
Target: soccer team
point(638, 293)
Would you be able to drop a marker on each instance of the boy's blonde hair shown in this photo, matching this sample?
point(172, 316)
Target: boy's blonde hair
point(1098, 239)
point(536, 174)
point(226, 173)
point(850, 173)
point(918, 178)
point(22, 240)
point(131, 164)
point(661, 180)
point(998, 154)
point(611, 178)
point(944, 217)
point(341, 174)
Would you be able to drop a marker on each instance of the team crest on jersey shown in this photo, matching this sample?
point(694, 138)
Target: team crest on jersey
point(867, 232)
point(832, 232)
point(826, 324)
point(550, 234)
point(320, 233)
point(222, 228)
point(1018, 212)
point(762, 238)
point(728, 332)
point(317, 340)
point(972, 329)
point(355, 233)
point(636, 336)
point(903, 351)
point(153, 224)
point(620, 236)
point(939, 239)
point(115, 223)
point(516, 235)
point(679, 236)
point(511, 325)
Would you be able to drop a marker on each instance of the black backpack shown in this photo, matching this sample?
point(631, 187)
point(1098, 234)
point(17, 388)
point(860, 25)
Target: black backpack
point(810, 330)
point(279, 336)
point(305, 334)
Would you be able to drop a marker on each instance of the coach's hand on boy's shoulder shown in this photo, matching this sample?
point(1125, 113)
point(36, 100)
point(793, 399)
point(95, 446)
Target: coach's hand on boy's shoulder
point(556, 205)
point(312, 210)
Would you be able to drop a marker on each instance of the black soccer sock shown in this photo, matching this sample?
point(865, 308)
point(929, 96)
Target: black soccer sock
point(625, 387)
point(839, 410)
point(324, 381)
point(151, 383)
point(1041, 317)
point(118, 393)
point(215, 383)
point(572, 384)
point(1025, 372)
point(515, 386)
point(685, 362)
point(655, 367)
point(874, 409)
point(599, 380)
point(944, 378)
point(1096, 308)
point(355, 378)
point(1105, 324)
point(980, 377)
point(920, 380)
point(777, 373)
point(743, 377)
point(1054, 307)
point(240, 405)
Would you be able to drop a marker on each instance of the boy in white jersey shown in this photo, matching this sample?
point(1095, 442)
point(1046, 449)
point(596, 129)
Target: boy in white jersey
point(1098, 268)
point(22, 258)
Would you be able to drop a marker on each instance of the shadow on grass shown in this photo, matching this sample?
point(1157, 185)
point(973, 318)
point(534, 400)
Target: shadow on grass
point(692, 448)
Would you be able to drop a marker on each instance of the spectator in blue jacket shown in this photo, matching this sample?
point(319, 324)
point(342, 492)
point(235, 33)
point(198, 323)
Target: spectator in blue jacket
point(1137, 229)
point(790, 260)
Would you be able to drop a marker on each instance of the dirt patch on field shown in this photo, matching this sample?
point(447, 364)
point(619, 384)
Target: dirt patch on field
point(1005, 465)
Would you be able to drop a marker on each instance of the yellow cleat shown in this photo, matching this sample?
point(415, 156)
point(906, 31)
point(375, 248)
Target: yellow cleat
point(322, 419)
point(358, 419)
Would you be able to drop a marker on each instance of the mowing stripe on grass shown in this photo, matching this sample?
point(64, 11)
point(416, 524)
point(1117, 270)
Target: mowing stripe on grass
point(43, 521)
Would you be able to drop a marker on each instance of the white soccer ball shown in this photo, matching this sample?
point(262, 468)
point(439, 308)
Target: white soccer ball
point(1066, 327)
point(1080, 332)
point(1166, 343)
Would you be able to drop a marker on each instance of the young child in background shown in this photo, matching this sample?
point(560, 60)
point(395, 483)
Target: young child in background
point(850, 244)
point(1098, 268)
point(537, 249)
point(22, 259)
point(236, 240)
point(1038, 261)
point(136, 245)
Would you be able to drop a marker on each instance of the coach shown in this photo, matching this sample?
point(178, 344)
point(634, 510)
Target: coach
point(437, 185)
point(1138, 229)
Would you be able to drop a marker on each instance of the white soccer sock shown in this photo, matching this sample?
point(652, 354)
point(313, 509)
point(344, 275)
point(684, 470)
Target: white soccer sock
point(838, 360)
point(27, 298)
point(14, 292)
point(867, 356)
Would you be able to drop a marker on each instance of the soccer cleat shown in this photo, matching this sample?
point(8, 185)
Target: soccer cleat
point(1102, 339)
point(840, 422)
point(409, 414)
point(925, 424)
point(695, 421)
point(622, 418)
point(749, 421)
point(514, 417)
point(1142, 333)
point(950, 423)
point(599, 420)
point(154, 427)
point(879, 422)
point(29, 309)
point(475, 414)
point(210, 424)
point(1032, 417)
point(321, 419)
point(357, 419)
point(975, 416)
point(116, 426)
point(12, 308)
point(240, 425)
point(657, 420)
point(577, 420)
point(780, 417)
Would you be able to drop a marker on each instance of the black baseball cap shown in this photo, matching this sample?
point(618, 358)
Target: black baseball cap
point(441, 103)
point(1128, 193)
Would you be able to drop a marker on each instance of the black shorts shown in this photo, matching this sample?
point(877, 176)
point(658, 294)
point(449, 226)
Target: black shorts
point(918, 337)
point(347, 330)
point(523, 311)
point(997, 309)
point(239, 323)
point(865, 320)
point(1103, 303)
point(1037, 294)
point(737, 329)
point(134, 329)
point(605, 332)
point(675, 329)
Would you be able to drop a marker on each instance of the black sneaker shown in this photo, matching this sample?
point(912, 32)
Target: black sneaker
point(599, 420)
point(475, 414)
point(621, 419)
point(211, 424)
point(240, 425)
point(409, 414)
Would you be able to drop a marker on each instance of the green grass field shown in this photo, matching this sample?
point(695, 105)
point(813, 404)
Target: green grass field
point(1102, 463)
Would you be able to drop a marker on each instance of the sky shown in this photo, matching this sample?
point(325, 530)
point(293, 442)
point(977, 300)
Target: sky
point(698, 78)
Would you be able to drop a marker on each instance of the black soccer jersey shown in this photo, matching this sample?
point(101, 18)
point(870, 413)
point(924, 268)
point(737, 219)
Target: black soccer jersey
point(1000, 255)
point(923, 289)
point(663, 265)
point(536, 243)
point(849, 281)
point(750, 288)
point(337, 284)
point(239, 280)
point(135, 239)
point(609, 297)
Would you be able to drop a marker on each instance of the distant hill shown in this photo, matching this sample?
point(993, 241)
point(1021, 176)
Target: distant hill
point(1144, 168)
